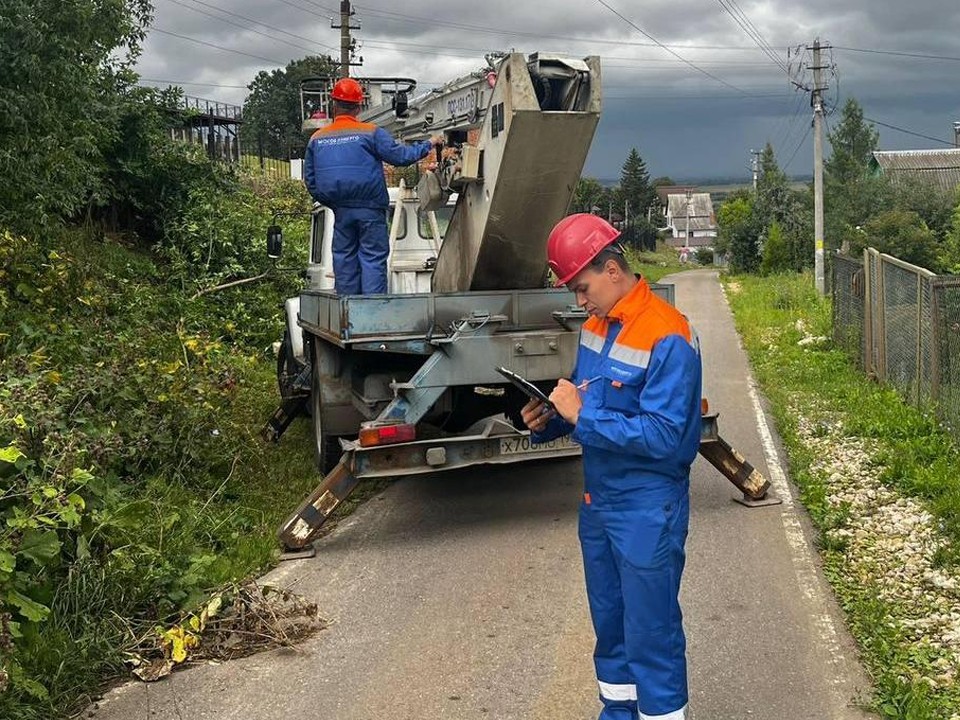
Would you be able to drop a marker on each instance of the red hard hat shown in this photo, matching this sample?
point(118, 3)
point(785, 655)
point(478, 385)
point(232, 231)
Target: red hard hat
point(575, 241)
point(348, 90)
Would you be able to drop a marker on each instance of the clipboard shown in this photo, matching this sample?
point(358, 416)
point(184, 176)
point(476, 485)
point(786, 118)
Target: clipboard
point(525, 386)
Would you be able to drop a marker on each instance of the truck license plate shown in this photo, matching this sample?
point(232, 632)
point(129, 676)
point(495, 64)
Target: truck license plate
point(521, 444)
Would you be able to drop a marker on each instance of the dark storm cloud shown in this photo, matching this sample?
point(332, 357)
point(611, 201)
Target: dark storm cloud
point(684, 123)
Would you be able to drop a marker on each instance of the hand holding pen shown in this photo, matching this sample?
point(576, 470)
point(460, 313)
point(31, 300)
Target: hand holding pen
point(586, 383)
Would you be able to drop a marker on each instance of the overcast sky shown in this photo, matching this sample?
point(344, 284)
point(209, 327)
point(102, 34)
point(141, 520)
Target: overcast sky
point(684, 123)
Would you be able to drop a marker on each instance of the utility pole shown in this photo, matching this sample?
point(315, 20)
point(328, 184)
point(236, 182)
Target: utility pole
point(956, 134)
point(346, 42)
point(755, 167)
point(686, 232)
point(626, 212)
point(816, 100)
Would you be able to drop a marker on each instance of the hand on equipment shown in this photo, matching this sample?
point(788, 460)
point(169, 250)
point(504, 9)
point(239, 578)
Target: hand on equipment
point(437, 140)
point(536, 415)
point(566, 399)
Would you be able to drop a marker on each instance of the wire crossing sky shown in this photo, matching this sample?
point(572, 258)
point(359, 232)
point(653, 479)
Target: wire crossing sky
point(694, 85)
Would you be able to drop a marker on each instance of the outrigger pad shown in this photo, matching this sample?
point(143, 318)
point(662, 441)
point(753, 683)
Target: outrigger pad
point(749, 502)
point(289, 553)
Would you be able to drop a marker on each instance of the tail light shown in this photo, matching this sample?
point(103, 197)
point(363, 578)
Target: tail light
point(387, 434)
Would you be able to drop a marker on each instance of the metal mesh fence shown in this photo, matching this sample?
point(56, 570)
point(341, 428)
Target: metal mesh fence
point(848, 297)
point(900, 337)
point(901, 324)
point(945, 361)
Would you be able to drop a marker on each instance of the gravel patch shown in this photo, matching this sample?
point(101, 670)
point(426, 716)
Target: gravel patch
point(889, 543)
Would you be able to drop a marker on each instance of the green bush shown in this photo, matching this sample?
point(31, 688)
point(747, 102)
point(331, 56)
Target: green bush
point(61, 67)
point(132, 477)
point(704, 256)
point(900, 233)
point(776, 252)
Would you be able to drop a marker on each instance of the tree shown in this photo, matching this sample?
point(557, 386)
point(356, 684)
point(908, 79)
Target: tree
point(738, 235)
point(851, 194)
point(773, 194)
point(662, 181)
point(271, 112)
point(776, 252)
point(635, 192)
point(950, 251)
point(852, 143)
point(589, 194)
point(62, 65)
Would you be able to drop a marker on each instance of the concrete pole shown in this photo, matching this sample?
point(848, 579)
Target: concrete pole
point(346, 44)
point(345, 38)
point(956, 134)
point(817, 99)
point(686, 232)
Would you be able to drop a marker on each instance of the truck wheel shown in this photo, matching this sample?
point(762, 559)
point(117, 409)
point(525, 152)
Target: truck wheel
point(326, 447)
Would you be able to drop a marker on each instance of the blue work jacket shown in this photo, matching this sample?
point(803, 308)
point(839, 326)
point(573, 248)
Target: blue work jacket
point(343, 166)
point(640, 421)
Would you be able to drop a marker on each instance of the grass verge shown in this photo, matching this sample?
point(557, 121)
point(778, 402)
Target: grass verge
point(815, 390)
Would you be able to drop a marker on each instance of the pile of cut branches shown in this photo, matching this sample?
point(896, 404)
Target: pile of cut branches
point(234, 623)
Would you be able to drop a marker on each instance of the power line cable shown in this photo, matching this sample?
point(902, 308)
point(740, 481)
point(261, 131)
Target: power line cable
point(908, 132)
point(242, 27)
point(260, 22)
point(185, 82)
point(921, 56)
point(763, 41)
point(217, 47)
point(314, 13)
point(788, 128)
point(336, 13)
point(799, 145)
point(390, 45)
point(402, 17)
point(751, 30)
point(672, 52)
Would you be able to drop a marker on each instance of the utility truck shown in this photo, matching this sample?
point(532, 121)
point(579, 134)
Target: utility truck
point(406, 382)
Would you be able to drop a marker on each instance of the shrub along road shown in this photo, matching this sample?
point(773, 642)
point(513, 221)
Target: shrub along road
point(460, 596)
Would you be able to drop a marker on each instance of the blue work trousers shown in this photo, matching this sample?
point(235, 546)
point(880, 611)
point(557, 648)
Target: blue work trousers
point(633, 559)
point(360, 249)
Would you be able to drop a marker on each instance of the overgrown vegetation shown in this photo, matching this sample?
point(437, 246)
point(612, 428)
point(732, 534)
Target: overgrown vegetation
point(133, 476)
point(133, 479)
point(916, 457)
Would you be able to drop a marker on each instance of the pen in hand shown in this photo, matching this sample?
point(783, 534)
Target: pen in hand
point(584, 384)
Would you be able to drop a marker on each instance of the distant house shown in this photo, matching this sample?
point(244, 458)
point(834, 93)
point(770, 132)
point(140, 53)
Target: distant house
point(665, 191)
point(939, 167)
point(691, 220)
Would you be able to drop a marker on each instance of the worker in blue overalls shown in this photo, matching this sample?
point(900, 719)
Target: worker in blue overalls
point(343, 169)
point(633, 403)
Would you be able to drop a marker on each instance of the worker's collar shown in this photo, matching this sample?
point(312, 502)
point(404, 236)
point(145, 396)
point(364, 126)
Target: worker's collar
point(631, 303)
point(344, 117)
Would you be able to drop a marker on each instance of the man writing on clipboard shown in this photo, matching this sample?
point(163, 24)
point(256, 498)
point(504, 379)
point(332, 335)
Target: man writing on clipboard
point(633, 403)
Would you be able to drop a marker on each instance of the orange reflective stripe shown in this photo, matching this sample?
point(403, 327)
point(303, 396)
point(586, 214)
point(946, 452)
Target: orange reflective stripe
point(586, 498)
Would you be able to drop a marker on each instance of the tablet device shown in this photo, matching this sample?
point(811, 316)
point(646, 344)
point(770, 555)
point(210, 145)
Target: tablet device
point(525, 386)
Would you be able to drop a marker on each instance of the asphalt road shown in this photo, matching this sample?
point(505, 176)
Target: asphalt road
point(460, 596)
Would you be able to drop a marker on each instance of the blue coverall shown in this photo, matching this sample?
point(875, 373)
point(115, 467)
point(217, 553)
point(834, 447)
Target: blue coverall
point(640, 431)
point(343, 169)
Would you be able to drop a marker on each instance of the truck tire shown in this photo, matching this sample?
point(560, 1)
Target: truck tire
point(326, 447)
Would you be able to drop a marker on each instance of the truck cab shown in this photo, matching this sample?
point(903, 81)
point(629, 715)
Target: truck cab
point(415, 238)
